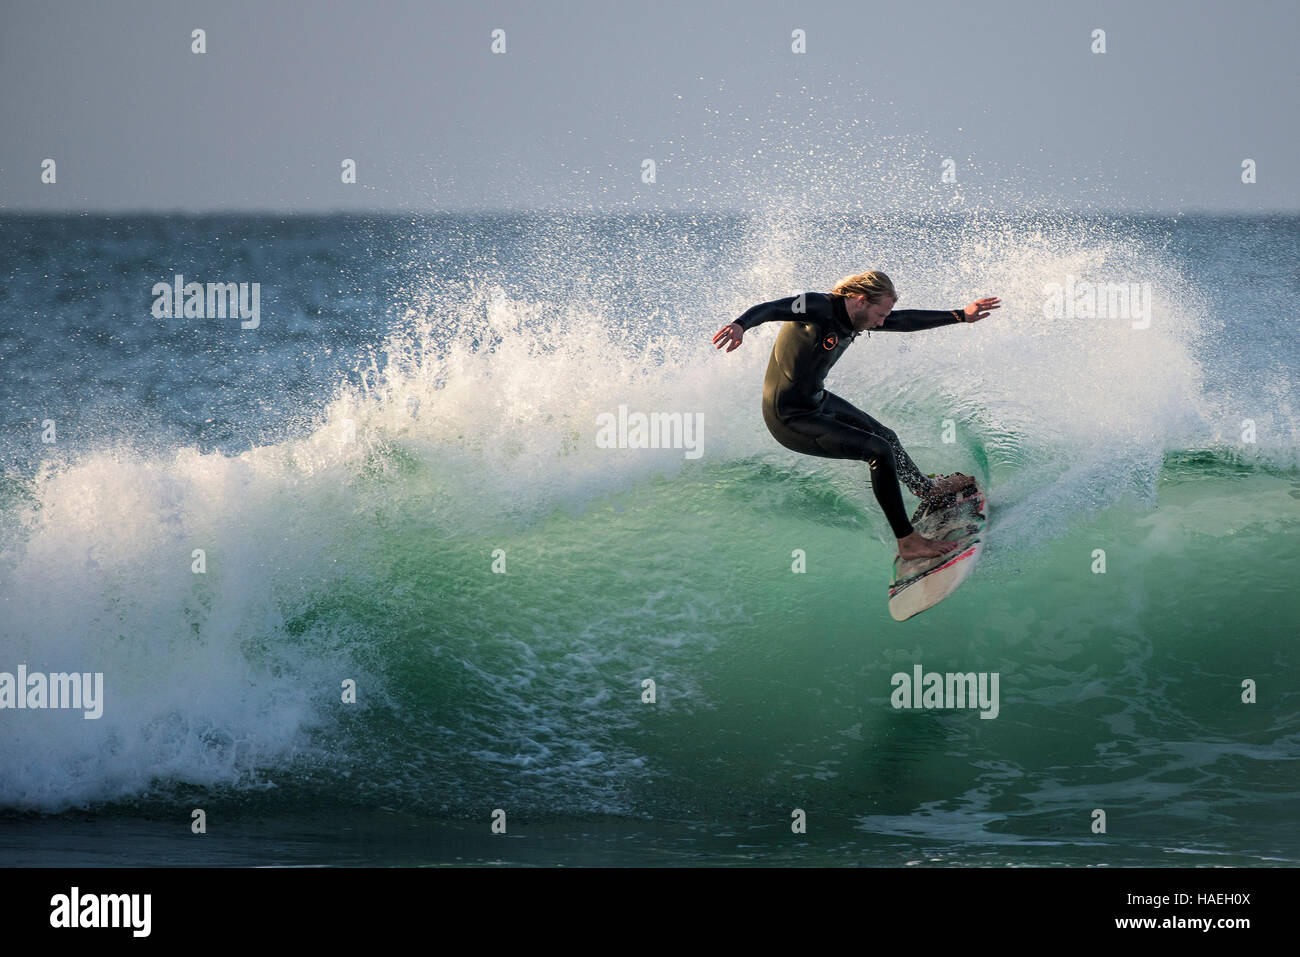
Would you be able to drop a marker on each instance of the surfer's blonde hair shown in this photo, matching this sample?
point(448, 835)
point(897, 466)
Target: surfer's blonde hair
point(873, 284)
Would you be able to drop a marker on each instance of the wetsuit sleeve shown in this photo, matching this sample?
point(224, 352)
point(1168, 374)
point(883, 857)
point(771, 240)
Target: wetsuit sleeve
point(915, 320)
point(778, 310)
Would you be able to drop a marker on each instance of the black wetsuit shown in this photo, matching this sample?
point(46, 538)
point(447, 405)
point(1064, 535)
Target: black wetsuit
point(803, 416)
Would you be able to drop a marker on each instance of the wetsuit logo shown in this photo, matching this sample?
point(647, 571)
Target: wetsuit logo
point(830, 342)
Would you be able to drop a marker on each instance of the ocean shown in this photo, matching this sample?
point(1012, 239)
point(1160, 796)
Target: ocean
point(365, 585)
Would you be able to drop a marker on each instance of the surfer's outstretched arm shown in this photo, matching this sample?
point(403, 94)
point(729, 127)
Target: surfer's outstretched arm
point(916, 320)
point(778, 310)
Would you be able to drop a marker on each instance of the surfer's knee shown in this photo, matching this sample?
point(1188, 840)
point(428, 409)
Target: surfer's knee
point(877, 452)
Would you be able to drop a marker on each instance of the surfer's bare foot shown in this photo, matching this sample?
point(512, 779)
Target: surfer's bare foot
point(946, 484)
point(917, 546)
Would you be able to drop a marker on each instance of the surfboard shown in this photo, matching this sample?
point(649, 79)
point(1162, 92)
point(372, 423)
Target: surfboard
point(921, 583)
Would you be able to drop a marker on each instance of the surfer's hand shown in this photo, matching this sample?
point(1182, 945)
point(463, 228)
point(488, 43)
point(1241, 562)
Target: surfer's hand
point(729, 335)
point(980, 308)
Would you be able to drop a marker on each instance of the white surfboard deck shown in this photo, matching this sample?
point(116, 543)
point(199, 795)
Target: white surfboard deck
point(922, 583)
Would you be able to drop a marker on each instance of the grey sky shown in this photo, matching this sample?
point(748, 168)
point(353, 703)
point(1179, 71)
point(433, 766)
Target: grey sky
point(710, 91)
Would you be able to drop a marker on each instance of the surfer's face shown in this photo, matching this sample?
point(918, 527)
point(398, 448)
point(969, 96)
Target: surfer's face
point(868, 315)
point(876, 312)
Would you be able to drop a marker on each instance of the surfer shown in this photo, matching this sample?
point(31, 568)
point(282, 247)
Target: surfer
point(803, 416)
